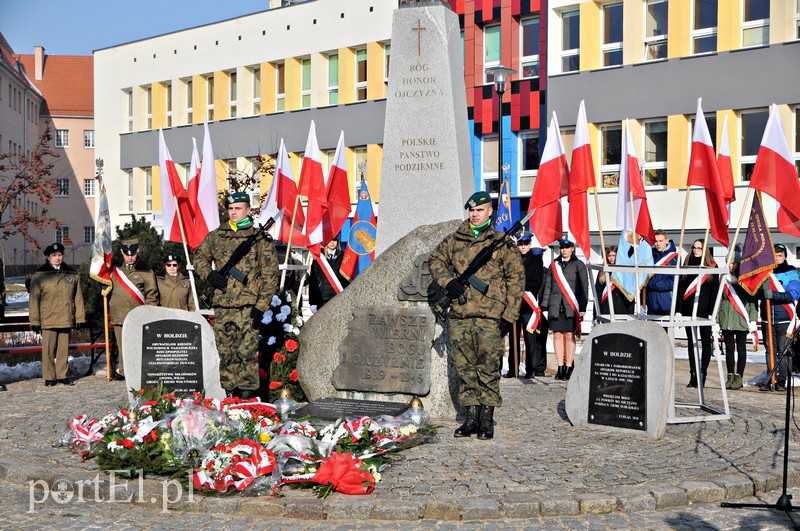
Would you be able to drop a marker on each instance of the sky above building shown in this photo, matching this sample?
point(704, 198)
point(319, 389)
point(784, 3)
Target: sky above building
point(78, 27)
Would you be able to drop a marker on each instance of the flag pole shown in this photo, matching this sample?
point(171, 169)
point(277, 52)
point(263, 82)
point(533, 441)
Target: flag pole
point(600, 226)
point(739, 224)
point(189, 266)
point(289, 242)
point(770, 345)
point(104, 292)
point(306, 272)
point(635, 254)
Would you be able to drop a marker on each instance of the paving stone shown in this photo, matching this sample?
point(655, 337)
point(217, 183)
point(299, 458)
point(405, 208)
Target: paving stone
point(668, 496)
point(596, 503)
point(559, 506)
point(703, 491)
point(396, 509)
point(351, 507)
point(305, 509)
point(479, 509)
point(442, 510)
point(636, 502)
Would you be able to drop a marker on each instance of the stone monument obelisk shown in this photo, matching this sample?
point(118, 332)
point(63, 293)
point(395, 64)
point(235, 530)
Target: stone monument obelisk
point(427, 166)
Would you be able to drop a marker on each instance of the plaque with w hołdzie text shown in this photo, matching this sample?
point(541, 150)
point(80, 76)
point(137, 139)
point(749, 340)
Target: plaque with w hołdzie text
point(386, 350)
point(172, 356)
point(618, 382)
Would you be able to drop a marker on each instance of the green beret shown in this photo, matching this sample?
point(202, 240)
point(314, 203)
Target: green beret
point(478, 198)
point(237, 197)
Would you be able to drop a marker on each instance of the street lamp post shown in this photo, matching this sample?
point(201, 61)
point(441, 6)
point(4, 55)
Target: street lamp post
point(500, 74)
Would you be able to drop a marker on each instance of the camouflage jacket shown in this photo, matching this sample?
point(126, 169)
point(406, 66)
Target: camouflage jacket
point(503, 273)
point(260, 266)
point(121, 302)
point(56, 299)
point(175, 292)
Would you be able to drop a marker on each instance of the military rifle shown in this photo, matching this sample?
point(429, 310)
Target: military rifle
point(468, 276)
point(229, 269)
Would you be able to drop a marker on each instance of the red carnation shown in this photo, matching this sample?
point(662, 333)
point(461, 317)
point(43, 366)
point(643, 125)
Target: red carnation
point(275, 385)
point(291, 345)
point(262, 374)
point(278, 358)
point(127, 443)
point(293, 375)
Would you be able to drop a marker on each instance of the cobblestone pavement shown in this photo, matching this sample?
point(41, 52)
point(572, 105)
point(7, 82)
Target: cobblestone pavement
point(538, 472)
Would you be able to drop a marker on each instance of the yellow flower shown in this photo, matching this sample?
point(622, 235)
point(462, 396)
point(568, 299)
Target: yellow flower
point(264, 438)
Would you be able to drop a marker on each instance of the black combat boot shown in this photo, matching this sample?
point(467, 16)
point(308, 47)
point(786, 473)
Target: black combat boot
point(486, 430)
point(470, 425)
point(247, 394)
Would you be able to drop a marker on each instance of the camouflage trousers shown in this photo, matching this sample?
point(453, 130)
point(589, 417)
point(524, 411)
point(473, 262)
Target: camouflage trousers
point(237, 344)
point(477, 348)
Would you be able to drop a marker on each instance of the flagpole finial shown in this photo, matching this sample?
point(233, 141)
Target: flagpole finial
point(362, 167)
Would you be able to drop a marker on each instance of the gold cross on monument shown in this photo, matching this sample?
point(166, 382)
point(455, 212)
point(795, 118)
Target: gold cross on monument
point(419, 29)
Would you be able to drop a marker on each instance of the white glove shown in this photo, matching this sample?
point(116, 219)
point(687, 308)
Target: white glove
point(752, 326)
point(544, 314)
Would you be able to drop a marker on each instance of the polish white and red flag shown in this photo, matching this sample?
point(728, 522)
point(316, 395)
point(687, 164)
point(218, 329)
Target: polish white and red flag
point(312, 186)
point(635, 217)
point(581, 178)
point(726, 167)
point(283, 195)
point(338, 191)
point(704, 172)
point(100, 267)
point(202, 192)
point(775, 174)
point(552, 183)
point(172, 192)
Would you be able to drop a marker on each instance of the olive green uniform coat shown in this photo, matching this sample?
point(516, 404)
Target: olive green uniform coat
point(234, 330)
point(475, 340)
point(120, 303)
point(175, 292)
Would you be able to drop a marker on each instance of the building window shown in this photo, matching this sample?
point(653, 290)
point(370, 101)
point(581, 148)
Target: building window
point(210, 97)
point(256, 90)
point(189, 101)
point(612, 34)
point(168, 102)
point(610, 154)
point(88, 187)
point(333, 79)
point(233, 94)
point(62, 138)
point(570, 41)
point(656, 26)
point(361, 75)
point(88, 235)
point(752, 128)
point(148, 189)
point(62, 235)
point(655, 153)
point(529, 44)
point(280, 87)
point(704, 32)
point(387, 56)
point(491, 50)
point(359, 158)
point(88, 138)
point(130, 190)
point(128, 95)
point(62, 187)
point(305, 84)
point(797, 19)
point(528, 160)
point(711, 123)
point(148, 105)
point(755, 23)
point(489, 175)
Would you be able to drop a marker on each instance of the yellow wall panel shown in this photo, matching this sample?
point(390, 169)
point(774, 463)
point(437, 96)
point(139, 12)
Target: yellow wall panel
point(781, 21)
point(198, 99)
point(291, 84)
point(158, 92)
point(679, 43)
point(319, 79)
point(677, 150)
point(733, 135)
point(221, 96)
point(268, 88)
point(633, 32)
point(347, 75)
point(374, 71)
point(590, 36)
point(594, 140)
point(729, 26)
point(350, 162)
point(374, 164)
point(221, 170)
point(156, 173)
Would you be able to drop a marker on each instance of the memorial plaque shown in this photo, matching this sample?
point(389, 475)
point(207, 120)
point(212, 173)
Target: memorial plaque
point(618, 382)
point(172, 356)
point(388, 350)
point(335, 408)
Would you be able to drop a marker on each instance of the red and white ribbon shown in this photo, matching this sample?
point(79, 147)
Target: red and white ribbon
point(129, 286)
point(607, 291)
point(666, 259)
point(330, 274)
point(775, 285)
point(698, 280)
point(558, 275)
point(739, 306)
point(533, 322)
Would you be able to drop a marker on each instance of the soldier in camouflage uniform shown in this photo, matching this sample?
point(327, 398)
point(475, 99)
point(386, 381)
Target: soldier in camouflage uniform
point(132, 285)
point(477, 327)
point(238, 307)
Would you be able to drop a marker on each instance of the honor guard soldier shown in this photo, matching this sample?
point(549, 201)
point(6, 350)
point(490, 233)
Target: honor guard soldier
point(174, 289)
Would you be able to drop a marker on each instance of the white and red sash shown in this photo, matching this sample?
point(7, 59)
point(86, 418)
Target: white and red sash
point(694, 286)
point(129, 286)
point(738, 305)
point(533, 322)
point(558, 275)
point(666, 259)
point(775, 285)
point(610, 286)
point(330, 274)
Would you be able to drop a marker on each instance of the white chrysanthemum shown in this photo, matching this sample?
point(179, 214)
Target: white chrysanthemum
point(287, 328)
point(267, 319)
point(271, 340)
point(113, 446)
point(281, 317)
point(276, 301)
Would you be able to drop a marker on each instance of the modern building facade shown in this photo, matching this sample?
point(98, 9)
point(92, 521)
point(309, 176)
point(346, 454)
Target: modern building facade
point(265, 76)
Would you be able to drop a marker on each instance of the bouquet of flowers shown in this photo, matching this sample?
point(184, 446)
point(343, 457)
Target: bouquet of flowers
point(279, 348)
